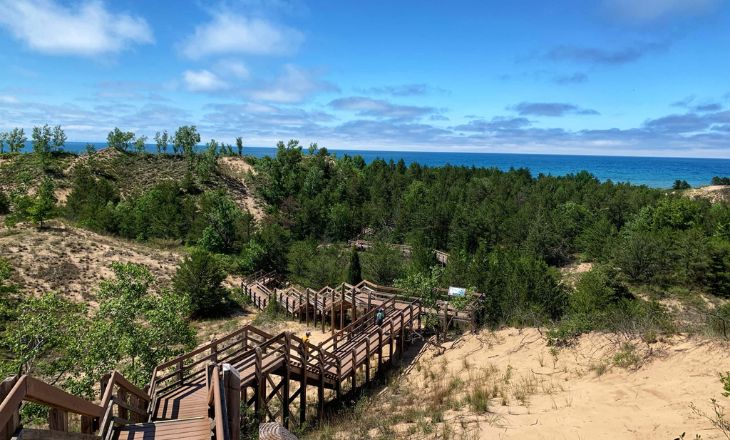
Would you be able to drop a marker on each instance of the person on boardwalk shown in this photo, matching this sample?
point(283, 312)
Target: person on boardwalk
point(379, 317)
point(306, 336)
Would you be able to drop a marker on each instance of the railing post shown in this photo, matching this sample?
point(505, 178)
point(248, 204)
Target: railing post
point(260, 404)
point(332, 311)
point(339, 378)
point(342, 307)
point(380, 350)
point(367, 359)
point(354, 371)
point(285, 388)
point(320, 388)
point(232, 385)
point(402, 336)
point(214, 349)
point(306, 311)
point(57, 420)
point(304, 354)
point(354, 305)
point(8, 431)
point(122, 396)
point(180, 372)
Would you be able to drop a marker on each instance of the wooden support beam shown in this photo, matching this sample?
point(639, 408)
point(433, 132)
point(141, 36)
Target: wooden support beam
point(285, 380)
point(380, 350)
point(232, 386)
point(332, 311)
point(122, 396)
point(367, 360)
point(342, 307)
point(260, 404)
point(57, 420)
point(304, 354)
point(306, 312)
point(354, 305)
point(320, 388)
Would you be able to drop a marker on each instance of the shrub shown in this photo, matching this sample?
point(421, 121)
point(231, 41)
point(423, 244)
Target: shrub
point(198, 278)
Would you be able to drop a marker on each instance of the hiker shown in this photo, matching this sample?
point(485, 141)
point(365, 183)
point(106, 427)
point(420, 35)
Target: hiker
point(379, 317)
point(306, 336)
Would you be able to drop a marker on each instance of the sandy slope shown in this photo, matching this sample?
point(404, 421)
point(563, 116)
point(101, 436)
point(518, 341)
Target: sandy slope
point(568, 398)
point(238, 169)
point(73, 261)
point(714, 193)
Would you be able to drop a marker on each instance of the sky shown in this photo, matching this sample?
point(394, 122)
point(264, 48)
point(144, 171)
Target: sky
point(602, 77)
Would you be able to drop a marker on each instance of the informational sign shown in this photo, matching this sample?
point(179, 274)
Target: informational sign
point(457, 291)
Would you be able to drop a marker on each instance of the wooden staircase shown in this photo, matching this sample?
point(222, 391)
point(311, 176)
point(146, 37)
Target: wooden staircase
point(199, 395)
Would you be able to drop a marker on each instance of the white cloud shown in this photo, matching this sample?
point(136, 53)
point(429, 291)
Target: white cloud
point(232, 33)
point(294, 85)
point(88, 29)
point(642, 11)
point(8, 99)
point(233, 68)
point(203, 81)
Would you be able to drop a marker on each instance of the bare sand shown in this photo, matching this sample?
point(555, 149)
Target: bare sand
point(574, 393)
point(714, 193)
point(73, 261)
point(238, 169)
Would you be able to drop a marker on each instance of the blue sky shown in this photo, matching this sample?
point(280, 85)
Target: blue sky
point(614, 77)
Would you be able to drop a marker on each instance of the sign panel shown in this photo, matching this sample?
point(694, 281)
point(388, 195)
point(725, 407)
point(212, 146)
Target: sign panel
point(457, 291)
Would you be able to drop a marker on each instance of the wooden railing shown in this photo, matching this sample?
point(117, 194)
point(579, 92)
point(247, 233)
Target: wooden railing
point(193, 365)
point(123, 403)
point(60, 403)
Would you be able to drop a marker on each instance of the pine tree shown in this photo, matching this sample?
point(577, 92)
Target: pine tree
point(44, 204)
point(354, 271)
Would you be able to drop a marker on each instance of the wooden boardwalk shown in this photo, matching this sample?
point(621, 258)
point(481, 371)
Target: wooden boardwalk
point(279, 377)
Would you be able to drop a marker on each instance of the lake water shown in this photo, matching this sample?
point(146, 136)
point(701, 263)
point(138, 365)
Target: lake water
point(659, 172)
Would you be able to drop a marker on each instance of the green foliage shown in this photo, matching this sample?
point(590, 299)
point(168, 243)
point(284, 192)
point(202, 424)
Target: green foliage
point(382, 264)
point(133, 330)
point(239, 145)
point(198, 278)
point(725, 379)
point(44, 203)
point(354, 270)
point(227, 227)
point(16, 139)
point(185, 139)
point(717, 180)
point(4, 203)
point(162, 140)
point(206, 165)
point(680, 185)
point(426, 287)
point(91, 201)
point(599, 302)
point(313, 266)
point(139, 144)
point(41, 336)
point(120, 140)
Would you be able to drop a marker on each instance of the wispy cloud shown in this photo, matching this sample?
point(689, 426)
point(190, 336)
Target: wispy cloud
point(380, 108)
point(293, 85)
point(230, 33)
point(691, 103)
point(552, 109)
point(203, 81)
point(595, 55)
point(418, 89)
point(88, 29)
point(645, 11)
point(575, 78)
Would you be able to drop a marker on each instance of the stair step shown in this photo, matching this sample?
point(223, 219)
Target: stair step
point(46, 434)
point(197, 428)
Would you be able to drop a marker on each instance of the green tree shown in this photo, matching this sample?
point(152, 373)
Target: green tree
point(42, 140)
point(354, 271)
point(16, 140)
point(41, 338)
point(198, 278)
point(161, 140)
point(680, 185)
point(3, 141)
point(206, 165)
point(185, 139)
point(120, 140)
point(133, 330)
point(44, 203)
point(382, 263)
point(227, 227)
point(58, 138)
point(239, 145)
point(139, 144)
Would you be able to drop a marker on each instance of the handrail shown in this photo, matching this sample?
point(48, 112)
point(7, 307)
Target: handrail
point(216, 396)
point(28, 388)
